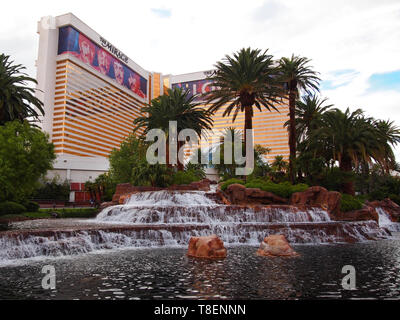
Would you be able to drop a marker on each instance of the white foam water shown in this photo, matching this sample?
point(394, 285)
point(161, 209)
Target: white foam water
point(386, 222)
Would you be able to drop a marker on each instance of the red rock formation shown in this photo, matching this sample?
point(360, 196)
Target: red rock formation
point(276, 246)
point(319, 197)
point(127, 188)
point(392, 208)
point(222, 197)
point(240, 195)
point(210, 247)
point(364, 214)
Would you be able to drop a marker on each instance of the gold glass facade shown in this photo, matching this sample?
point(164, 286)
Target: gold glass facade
point(91, 116)
point(269, 131)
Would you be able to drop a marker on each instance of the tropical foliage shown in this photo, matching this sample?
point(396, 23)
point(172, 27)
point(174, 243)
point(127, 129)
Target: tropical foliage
point(352, 139)
point(176, 105)
point(25, 156)
point(17, 99)
point(243, 81)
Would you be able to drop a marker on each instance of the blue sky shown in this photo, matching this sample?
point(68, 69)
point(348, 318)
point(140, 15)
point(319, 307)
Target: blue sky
point(162, 13)
point(385, 81)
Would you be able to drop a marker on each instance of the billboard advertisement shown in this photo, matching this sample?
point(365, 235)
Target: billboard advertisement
point(74, 42)
point(197, 87)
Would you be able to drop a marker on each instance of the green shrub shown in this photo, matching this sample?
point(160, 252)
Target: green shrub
point(31, 206)
point(350, 203)
point(284, 189)
point(227, 183)
point(9, 207)
point(184, 177)
point(395, 198)
point(52, 190)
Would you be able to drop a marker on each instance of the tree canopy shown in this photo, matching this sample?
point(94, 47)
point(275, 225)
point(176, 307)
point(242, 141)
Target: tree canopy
point(17, 99)
point(25, 155)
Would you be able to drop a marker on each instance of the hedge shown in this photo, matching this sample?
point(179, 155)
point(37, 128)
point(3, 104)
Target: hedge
point(9, 207)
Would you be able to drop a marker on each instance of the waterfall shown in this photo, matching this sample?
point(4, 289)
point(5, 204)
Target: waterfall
point(171, 218)
point(386, 222)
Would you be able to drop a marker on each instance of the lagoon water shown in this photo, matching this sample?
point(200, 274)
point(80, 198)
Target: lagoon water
point(138, 251)
point(167, 273)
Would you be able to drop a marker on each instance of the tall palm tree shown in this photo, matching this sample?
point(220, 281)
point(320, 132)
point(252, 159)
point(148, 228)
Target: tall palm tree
point(298, 76)
point(175, 105)
point(245, 80)
point(17, 100)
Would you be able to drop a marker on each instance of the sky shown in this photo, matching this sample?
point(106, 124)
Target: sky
point(354, 44)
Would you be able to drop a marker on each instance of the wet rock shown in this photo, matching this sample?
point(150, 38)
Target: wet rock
point(240, 195)
point(319, 197)
point(236, 193)
point(364, 214)
point(392, 208)
point(203, 185)
point(210, 247)
point(276, 246)
point(222, 197)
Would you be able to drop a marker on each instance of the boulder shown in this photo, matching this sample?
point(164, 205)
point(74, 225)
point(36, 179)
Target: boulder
point(222, 197)
point(203, 185)
point(319, 197)
point(239, 194)
point(236, 193)
point(392, 208)
point(276, 246)
point(364, 214)
point(210, 247)
point(255, 195)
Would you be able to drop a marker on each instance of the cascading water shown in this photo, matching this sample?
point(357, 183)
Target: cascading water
point(386, 222)
point(171, 218)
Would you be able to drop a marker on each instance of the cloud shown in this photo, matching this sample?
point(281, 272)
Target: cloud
point(161, 13)
point(269, 10)
point(338, 78)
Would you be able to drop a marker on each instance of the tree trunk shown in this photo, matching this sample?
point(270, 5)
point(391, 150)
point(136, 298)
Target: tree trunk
point(248, 125)
point(181, 166)
point(346, 166)
point(167, 153)
point(292, 136)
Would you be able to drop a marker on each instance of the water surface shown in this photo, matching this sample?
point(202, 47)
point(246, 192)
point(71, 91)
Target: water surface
point(166, 273)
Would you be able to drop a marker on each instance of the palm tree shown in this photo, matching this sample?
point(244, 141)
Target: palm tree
point(243, 81)
point(175, 105)
point(279, 164)
point(308, 114)
point(297, 75)
point(389, 136)
point(17, 100)
point(349, 138)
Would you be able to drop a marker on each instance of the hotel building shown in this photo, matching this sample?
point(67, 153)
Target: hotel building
point(92, 92)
